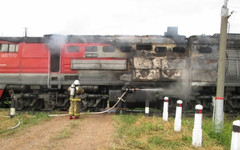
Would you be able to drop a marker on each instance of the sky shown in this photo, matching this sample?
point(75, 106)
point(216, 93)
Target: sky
point(115, 17)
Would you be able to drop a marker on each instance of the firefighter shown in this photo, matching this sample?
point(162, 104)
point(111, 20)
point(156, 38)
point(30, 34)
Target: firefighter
point(122, 104)
point(75, 90)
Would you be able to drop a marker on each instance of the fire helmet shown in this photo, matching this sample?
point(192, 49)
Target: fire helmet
point(76, 82)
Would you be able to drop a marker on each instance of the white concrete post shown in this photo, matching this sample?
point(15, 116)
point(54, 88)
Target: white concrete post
point(197, 130)
point(13, 106)
point(178, 116)
point(235, 143)
point(165, 109)
point(147, 107)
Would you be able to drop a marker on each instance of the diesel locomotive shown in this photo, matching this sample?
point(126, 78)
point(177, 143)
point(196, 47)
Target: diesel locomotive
point(40, 69)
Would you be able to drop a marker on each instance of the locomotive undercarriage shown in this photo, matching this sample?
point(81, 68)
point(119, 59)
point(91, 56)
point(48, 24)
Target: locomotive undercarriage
point(50, 99)
point(205, 95)
point(41, 98)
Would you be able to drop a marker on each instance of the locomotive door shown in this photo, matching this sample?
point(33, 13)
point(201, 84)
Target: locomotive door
point(54, 76)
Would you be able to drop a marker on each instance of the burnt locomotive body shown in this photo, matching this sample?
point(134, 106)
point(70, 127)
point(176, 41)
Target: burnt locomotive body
point(204, 59)
point(40, 70)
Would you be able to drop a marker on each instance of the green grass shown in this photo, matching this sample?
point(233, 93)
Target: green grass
point(26, 118)
point(140, 132)
point(224, 137)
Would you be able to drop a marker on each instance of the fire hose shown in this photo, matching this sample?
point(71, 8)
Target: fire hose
point(19, 122)
point(94, 113)
point(17, 125)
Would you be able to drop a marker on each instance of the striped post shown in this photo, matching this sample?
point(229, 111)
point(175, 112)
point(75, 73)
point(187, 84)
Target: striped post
point(178, 116)
point(197, 130)
point(12, 109)
point(165, 109)
point(235, 143)
point(147, 107)
point(219, 114)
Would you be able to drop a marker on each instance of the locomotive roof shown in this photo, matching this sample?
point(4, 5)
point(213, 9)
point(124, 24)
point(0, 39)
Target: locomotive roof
point(22, 39)
point(121, 39)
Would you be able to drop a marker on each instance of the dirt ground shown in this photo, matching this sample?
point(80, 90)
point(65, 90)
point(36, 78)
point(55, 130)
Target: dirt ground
point(90, 132)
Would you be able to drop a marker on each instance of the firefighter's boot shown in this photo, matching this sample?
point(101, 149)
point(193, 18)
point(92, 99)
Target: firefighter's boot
point(76, 117)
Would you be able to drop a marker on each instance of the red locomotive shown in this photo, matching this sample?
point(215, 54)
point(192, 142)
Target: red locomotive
point(40, 69)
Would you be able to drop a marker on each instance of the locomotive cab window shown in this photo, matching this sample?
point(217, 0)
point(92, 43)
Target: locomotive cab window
point(147, 47)
point(9, 48)
point(179, 50)
point(73, 48)
point(108, 49)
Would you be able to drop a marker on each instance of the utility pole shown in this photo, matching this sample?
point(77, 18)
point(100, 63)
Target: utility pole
point(219, 100)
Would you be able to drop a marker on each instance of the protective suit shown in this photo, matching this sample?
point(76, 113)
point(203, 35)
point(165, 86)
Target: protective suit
point(75, 90)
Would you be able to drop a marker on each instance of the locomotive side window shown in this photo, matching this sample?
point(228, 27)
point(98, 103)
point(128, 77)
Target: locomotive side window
point(203, 49)
point(160, 49)
point(108, 49)
point(91, 49)
point(73, 49)
point(126, 49)
point(91, 52)
point(12, 47)
point(179, 49)
point(4, 47)
point(8, 47)
point(144, 47)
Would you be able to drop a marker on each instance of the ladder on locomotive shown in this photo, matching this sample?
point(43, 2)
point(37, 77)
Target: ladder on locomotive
point(54, 80)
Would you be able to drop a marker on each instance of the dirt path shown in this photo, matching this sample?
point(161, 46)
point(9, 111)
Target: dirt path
point(92, 132)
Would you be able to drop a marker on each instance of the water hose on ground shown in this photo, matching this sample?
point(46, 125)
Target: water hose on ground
point(93, 113)
point(19, 122)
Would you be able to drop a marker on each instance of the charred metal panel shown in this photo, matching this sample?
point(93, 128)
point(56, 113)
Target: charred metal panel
point(147, 63)
point(173, 63)
point(151, 74)
point(232, 72)
point(172, 74)
point(204, 75)
point(158, 68)
point(204, 58)
point(99, 64)
point(204, 70)
point(173, 68)
point(233, 65)
point(204, 64)
point(140, 39)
